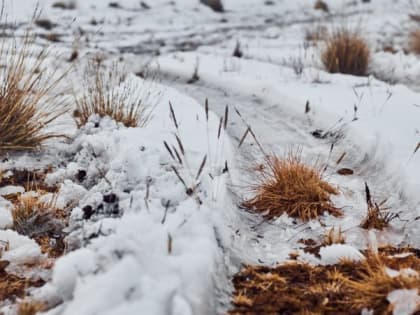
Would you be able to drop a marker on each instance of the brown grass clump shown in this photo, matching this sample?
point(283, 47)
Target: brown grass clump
point(345, 288)
point(27, 102)
point(107, 94)
point(289, 186)
point(372, 283)
point(346, 52)
point(30, 308)
point(414, 42)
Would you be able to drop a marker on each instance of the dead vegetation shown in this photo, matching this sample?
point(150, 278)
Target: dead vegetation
point(377, 217)
point(346, 52)
point(333, 236)
point(107, 94)
point(345, 288)
point(42, 221)
point(414, 41)
point(13, 286)
point(30, 308)
point(289, 186)
point(27, 101)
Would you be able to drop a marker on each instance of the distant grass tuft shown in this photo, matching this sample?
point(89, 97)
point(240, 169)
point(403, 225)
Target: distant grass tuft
point(289, 186)
point(107, 94)
point(346, 52)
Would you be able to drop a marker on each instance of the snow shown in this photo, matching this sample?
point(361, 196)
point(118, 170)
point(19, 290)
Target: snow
point(332, 254)
point(21, 249)
point(405, 302)
point(158, 249)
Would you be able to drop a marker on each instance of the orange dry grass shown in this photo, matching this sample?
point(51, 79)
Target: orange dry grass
point(414, 43)
point(289, 186)
point(372, 284)
point(343, 289)
point(30, 308)
point(108, 95)
point(27, 101)
point(346, 52)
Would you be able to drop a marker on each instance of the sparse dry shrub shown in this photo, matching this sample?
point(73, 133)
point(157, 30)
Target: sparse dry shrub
point(289, 186)
point(346, 52)
point(414, 42)
point(107, 94)
point(377, 216)
point(28, 101)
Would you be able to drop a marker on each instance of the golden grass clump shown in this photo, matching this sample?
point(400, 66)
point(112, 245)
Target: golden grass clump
point(289, 186)
point(414, 41)
point(28, 102)
point(373, 281)
point(107, 94)
point(346, 52)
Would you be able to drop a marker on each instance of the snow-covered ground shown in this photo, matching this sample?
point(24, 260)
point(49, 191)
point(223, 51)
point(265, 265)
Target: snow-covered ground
point(169, 246)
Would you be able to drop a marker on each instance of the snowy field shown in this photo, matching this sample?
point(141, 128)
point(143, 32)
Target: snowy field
point(155, 223)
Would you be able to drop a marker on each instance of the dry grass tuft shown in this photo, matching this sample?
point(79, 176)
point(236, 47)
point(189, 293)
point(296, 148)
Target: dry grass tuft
point(289, 186)
point(27, 101)
point(377, 217)
point(414, 42)
point(108, 95)
point(373, 282)
point(30, 308)
point(345, 288)
point(41, 221)
point(346, 52)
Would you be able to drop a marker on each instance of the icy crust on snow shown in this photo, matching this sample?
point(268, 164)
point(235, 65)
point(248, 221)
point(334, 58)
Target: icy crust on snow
point(155, 249)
